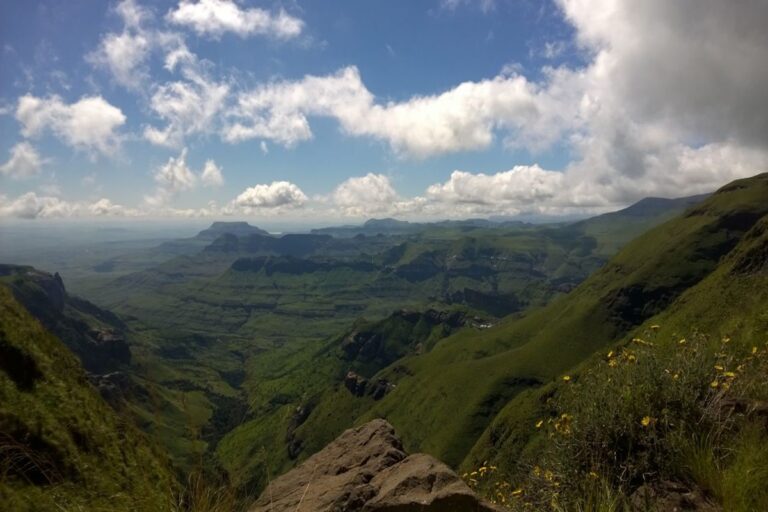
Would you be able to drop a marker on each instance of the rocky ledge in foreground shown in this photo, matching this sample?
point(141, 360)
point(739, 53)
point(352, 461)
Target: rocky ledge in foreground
point(366, 470)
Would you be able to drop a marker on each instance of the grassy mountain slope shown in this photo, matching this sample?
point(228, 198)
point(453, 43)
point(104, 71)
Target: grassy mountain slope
point(615, 229)
point(61, 446)
point(725, 454)
point(445, 399)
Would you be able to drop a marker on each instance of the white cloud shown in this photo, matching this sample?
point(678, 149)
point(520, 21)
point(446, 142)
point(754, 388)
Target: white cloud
point(175, 176)
point(132, 14)
point(32, 206)
point(278, 194)
point(696, 65)
point(463, 118)
point(91, 123)
point(124, 55)
point(211, 175)
point(366, 195)
point(105, 207)
point(213, 18)
point(171, 178)
point(188, 107)
point(522, 185)
point(24, 162)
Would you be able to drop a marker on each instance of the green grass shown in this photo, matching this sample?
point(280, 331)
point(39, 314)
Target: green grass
point(61, 446)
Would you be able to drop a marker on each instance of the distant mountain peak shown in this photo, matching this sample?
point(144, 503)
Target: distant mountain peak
point(237, 228)
point(386, 222)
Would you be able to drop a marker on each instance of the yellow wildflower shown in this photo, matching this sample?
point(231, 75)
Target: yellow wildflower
point(754, 350)
point(719, 367)
point(610, 354)
point(539, 423)
point(613, 363)
point(647, 420)
point(714, 384)
point(729, 375)
point(566, 378)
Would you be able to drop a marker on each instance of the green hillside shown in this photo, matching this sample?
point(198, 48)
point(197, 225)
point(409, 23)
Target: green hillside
point(709, 342)
point(445, 399)
point(62, 446)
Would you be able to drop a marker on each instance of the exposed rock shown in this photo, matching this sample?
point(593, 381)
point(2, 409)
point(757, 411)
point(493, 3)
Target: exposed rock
point(670, 497)
point(366, 470)
point(113, 387)
point(380, 388)
point(355, 383)
point(111, 345)
point(293, 443)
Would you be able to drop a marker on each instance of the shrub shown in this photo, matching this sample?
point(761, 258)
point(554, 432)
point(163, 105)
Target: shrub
point(652, 411)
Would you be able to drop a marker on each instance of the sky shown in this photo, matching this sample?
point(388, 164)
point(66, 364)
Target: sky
point(349, 109)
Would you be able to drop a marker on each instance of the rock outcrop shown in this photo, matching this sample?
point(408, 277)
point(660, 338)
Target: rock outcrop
point(366, 470)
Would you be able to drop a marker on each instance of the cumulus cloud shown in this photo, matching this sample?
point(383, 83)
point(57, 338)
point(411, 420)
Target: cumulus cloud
point(171, 178)
point(211, 175)
point(522, 185)
point(90, 123)
point(278, 194)
point(24, 162)
point(694, 64)
point(213, 18)
point(463, 118)
point(32, 206)
point(125, 54)
point(188, 107)
point(366, 195)
point(175, 176)
point(105, 207)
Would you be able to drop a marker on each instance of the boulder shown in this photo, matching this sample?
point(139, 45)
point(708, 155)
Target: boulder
point(366, 470)
point(355, 383)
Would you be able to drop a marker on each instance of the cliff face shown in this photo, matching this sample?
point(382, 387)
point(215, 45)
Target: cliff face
point(96, 336)
point(365, 470)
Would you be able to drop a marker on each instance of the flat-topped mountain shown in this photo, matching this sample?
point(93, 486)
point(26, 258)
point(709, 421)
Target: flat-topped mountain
point(237, 228)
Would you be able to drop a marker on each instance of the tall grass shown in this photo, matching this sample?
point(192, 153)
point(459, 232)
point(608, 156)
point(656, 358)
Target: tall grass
point(653, 411)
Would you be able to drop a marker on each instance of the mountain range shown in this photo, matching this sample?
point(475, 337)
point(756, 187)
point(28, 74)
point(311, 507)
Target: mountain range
point(484, 344)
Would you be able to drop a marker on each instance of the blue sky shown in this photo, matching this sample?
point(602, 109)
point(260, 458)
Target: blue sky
point(444, 108)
